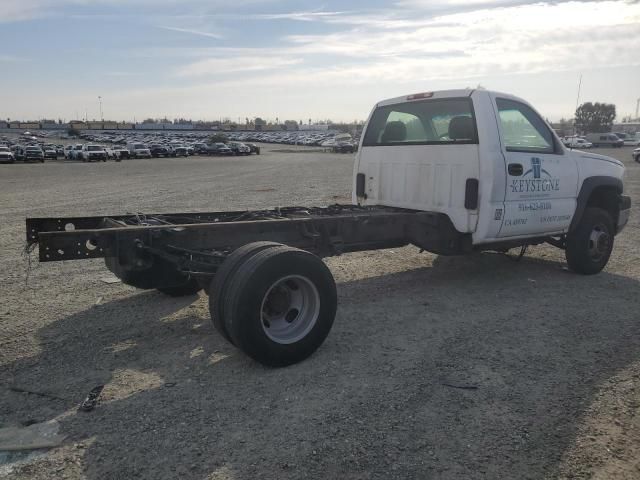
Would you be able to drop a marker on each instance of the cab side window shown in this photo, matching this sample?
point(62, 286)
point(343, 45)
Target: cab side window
point(523, 130)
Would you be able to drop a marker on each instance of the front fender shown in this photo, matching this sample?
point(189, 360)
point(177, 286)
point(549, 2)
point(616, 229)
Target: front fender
point(589, 185)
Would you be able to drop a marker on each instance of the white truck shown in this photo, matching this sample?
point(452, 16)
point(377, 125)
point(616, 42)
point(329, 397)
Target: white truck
point(452, 172)
point(138, 150)
point(89, 153)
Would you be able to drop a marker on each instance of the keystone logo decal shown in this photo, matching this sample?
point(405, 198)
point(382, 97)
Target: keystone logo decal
point(537, 183)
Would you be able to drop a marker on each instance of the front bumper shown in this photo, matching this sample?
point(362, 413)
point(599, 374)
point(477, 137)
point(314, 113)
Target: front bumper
point(625, 210)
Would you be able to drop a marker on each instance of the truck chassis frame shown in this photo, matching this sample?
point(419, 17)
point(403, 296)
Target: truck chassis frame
point(195, 244)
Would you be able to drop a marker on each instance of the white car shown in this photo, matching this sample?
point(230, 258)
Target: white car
point(6, 155)
point(74, 153)
point(89, 153)
point(577, 142)
point(139, 150)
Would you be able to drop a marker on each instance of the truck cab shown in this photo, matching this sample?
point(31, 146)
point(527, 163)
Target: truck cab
point(489, 163)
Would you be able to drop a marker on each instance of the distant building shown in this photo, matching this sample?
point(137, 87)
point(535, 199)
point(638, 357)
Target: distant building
point(631, 127)
point(314, 128)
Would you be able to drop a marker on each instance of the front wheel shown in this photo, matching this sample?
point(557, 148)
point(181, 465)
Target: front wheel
point(280, 305)
point(589, 246)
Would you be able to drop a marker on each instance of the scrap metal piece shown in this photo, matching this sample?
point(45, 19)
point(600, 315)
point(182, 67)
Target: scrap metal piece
point(90, 402)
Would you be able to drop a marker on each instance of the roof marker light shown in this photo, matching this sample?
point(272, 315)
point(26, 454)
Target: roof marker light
point(419, 96)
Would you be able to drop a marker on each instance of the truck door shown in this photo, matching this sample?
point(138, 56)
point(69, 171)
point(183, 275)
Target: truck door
point(542, 181)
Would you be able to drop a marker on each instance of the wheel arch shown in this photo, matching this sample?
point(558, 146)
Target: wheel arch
point(599, 191)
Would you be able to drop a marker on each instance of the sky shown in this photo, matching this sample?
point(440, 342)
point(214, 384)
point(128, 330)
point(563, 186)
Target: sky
point(301, 60)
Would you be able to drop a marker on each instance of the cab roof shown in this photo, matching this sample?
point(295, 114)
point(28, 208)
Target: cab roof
point(427, 95)
point(466, 92)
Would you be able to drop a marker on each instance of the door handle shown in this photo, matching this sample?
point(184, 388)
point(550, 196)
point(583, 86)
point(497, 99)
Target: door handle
point(515, 169)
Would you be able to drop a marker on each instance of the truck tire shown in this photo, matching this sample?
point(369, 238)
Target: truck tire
point(280, 305)
point(190, 287)
point(218, 288)
point(589, 245)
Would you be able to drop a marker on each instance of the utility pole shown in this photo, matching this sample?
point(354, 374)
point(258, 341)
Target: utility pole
point(637, 109)
point(101, 115)
point(577, 102)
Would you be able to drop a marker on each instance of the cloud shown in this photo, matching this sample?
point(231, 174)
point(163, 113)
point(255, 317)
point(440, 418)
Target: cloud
point(191, 31)
point(396, 48)
point(121, 74)
point(309, 16)
point(225, 66)
point(11, 59)
point(513, 38)
point(18, 10)
point(22, 10)
point(455, 50)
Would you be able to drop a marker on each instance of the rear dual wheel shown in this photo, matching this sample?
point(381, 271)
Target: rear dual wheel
point(218, 288)
point(276, 303)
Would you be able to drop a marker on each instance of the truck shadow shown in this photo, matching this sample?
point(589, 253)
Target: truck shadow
point(472, 368)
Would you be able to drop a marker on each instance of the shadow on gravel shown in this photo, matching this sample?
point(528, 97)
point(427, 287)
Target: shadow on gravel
point(477, 367)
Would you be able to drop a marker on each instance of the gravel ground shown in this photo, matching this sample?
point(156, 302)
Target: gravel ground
point(549, 360)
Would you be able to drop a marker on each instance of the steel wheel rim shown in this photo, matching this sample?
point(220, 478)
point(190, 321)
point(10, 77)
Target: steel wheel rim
point(290, 309)
point(599, 242)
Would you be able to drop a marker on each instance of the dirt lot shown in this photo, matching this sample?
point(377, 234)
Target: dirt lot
point(551, 360)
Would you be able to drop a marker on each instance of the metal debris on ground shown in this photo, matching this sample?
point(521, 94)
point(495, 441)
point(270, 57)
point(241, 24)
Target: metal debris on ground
point(90, 402)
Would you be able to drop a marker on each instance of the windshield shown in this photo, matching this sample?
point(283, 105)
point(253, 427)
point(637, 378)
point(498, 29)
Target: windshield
point(94, 148)
point(4, 149)
point(139, 146)
point(440, 121)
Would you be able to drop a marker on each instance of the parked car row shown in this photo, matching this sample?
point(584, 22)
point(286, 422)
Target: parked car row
point(590, 140)
point(26, 153)
point(330, 140)
point(628, 139)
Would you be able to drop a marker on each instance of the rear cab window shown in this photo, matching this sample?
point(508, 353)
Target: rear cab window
point(426, 122)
